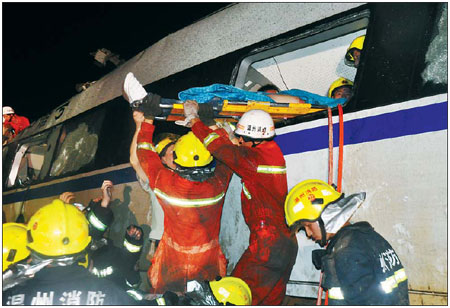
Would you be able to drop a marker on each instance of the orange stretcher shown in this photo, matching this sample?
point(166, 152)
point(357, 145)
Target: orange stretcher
point(231, 111)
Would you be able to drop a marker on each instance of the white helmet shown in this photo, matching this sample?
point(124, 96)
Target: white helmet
point(256, 124)
point(8, 110)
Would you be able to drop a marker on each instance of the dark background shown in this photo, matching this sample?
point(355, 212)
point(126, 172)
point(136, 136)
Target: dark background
point(47, 46)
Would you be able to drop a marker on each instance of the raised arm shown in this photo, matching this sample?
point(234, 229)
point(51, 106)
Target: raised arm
point(134, 161)
point(148, 157)
point(224, 150)
point(145, 106)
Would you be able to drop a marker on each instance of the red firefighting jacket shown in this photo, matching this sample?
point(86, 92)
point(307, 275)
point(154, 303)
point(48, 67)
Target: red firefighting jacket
point(18, 123)
point(189, 248)
point(267, 263)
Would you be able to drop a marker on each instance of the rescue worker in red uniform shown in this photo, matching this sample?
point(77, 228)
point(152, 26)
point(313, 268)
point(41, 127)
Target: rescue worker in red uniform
point(13, 121)
point(191, 196)
point(267, 263)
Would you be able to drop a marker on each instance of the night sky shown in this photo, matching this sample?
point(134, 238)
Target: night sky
point(47, 46)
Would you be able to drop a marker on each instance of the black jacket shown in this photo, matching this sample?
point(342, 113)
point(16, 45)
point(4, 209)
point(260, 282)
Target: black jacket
point(67, 285)
point(116, 264)
point(361, 268)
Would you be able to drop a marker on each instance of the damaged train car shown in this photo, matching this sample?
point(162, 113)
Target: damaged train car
point(394, 126)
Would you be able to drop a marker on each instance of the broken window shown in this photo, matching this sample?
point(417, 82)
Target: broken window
point(77, 148)
point(77, 144)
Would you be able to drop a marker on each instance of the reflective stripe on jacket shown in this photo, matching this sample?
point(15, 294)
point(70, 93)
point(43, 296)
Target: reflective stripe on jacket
point(263, 173)
point(192, 212)
point(267, 263)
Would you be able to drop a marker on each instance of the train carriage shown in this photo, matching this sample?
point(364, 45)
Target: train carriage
point(394, 142)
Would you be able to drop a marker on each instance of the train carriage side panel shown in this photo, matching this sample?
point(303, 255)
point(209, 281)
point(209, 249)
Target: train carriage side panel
point(398, 155)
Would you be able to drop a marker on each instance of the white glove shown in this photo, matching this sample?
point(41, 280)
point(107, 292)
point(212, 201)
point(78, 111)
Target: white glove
point(190, 110)
point(132, 89)
point(229, 128)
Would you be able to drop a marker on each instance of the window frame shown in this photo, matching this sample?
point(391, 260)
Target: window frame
point(22, 152)
point(320, 33)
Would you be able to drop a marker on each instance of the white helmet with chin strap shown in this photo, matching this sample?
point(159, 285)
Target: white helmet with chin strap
point(256, 124)
point(8, 110)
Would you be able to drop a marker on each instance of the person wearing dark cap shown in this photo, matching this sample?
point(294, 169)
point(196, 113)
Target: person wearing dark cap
point(118, 263)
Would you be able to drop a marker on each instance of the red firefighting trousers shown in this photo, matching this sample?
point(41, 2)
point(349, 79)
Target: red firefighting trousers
point(266, 265)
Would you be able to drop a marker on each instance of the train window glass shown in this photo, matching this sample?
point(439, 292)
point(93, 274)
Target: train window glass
point(77, 144)
point(310, 62)
point(31, 164)
point(115, 135)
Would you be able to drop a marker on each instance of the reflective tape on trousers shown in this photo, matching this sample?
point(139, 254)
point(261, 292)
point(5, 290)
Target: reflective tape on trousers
point(189, 202)
point(192, 249)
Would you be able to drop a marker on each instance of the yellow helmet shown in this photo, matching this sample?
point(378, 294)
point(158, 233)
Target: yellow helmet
point(164, 140)
point(14, 243)
point(231, 290)
point(307, 200)
point(356, 44)
point(58, 229)
point(340, 82)
point(189, 151)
